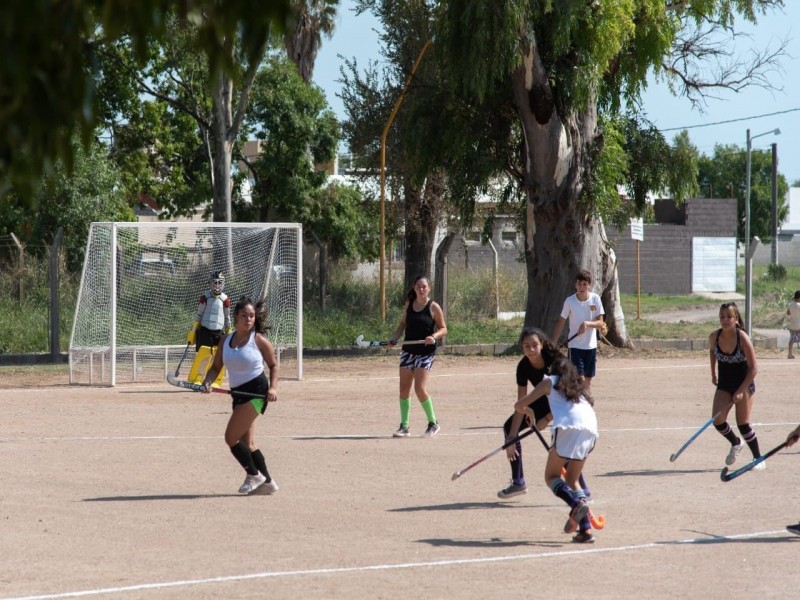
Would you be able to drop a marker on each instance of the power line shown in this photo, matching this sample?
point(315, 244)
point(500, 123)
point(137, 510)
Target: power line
point(782, 112)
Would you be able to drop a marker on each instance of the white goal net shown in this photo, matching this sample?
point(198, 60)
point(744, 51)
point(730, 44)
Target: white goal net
point(141, 284)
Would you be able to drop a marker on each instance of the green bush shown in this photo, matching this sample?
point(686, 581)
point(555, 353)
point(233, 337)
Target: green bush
point(776, 272)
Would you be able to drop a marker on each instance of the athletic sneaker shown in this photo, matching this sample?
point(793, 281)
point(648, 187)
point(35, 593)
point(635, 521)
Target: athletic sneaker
point(267, 489)
point(734, 452)
point(515, 489)
point(795, 529)
point(760, 466)
point(251, 483)
point(580, 510)
point(402, 431)
point(583, 537)
point(432, 430)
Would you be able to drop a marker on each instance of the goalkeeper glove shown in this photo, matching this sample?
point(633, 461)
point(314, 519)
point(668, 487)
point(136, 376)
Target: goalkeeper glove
point(190, 338)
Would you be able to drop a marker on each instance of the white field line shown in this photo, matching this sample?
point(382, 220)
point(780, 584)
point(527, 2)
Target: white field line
point(390, 567)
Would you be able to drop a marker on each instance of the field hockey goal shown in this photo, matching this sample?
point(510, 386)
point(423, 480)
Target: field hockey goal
point(141, 284)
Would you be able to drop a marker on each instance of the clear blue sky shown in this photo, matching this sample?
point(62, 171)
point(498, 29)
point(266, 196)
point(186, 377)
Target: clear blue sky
point(355, 37)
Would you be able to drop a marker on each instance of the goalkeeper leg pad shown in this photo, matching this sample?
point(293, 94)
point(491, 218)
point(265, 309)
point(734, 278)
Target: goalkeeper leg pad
point(202, 361)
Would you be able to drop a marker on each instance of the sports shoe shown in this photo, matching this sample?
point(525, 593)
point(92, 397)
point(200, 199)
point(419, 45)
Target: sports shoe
point(267, 489)
point(734, 452)
point(760, 466)
point(583, 537)
point(402, 431)
point(432, 430)
point(251, 483)
point(577, 513)
point(515, 489)
point(795, 529)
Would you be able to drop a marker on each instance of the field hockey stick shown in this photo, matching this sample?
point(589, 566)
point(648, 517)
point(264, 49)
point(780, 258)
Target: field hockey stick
point(366, 344)
point(726, 476)
point(695, 435)
point(197, 387)
point(599, 521)
point(183, 357)
point(458, 474)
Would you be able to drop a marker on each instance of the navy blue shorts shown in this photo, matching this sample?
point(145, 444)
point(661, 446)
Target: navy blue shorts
point(584, 360)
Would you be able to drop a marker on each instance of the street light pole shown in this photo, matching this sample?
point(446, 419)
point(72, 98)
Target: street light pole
point(749, 247)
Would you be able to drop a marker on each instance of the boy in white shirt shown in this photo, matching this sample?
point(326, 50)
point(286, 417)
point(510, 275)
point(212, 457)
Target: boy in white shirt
point(585, 313)
point(793, 311)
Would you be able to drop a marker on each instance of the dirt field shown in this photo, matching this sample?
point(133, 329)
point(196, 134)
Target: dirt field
point(130, 492)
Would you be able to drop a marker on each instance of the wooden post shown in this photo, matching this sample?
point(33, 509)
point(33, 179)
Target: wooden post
point(20, 268)
point(638, 284)
point(55, 348)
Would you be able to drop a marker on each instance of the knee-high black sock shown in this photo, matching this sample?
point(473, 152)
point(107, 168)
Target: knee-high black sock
point(517, 474)
point(261, 464)
point(750, 437)
point(726, 432)
point(244, 456)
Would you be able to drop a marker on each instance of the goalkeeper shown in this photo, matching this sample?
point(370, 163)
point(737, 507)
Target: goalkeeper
point(212, 321)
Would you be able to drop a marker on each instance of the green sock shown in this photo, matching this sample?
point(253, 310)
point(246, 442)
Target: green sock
point(405, 409)
point(427, 406)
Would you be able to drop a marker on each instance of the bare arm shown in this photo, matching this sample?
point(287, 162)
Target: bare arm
point(441, 327)
point(752, 365)
point(542, 389)
point(268, 353)
point(712, 357)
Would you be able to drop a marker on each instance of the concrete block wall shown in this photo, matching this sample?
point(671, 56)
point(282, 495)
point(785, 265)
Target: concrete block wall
point(665, 255)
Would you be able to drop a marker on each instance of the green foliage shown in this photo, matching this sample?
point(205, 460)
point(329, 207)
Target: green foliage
point(58, 42)
point(24, 306)
point(776, 272)
point(724, 175)
point(92, 192)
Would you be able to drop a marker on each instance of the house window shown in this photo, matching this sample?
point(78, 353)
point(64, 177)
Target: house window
point(509, 238)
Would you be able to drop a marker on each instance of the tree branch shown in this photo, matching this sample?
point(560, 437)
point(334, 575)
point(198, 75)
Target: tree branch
point(703, 61)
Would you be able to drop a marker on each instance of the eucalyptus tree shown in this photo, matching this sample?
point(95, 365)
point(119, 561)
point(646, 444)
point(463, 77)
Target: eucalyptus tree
point(568, 67)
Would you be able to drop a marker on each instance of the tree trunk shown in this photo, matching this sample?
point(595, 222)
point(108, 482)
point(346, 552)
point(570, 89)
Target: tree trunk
point(423, 208)
point(222, 146)
point(561, 237)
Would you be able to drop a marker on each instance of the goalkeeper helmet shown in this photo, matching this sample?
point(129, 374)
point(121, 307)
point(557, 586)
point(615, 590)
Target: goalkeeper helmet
point(217, 282)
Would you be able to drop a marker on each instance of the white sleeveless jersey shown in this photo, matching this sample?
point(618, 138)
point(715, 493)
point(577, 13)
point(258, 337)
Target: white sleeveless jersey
point(244, 363)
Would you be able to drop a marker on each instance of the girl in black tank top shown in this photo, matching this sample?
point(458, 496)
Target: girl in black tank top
point(733, 372)
point(422, 321)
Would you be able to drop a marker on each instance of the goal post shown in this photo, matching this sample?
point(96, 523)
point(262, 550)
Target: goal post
point(141, 284)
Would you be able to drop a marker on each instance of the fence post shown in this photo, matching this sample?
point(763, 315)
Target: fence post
point(20, 267)
point(440, 276)
point(55, 348)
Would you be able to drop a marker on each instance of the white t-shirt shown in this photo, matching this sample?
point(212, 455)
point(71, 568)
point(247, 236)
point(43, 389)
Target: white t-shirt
point(570, 415)
point(576, 312)
point(794, 316)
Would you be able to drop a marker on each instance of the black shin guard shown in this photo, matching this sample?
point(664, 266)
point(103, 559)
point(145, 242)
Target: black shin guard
point(261, 464)
point(243, 455)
